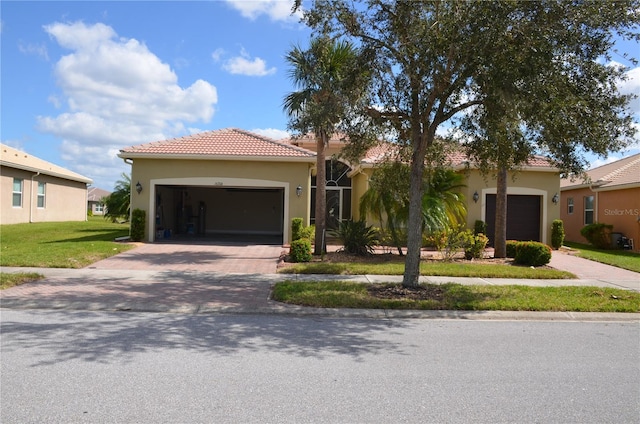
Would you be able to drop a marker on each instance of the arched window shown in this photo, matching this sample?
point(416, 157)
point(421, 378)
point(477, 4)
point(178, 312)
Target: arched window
point(338, 194)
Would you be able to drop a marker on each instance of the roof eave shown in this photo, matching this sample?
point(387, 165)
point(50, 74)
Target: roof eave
point(311, 159)
point(79, 179)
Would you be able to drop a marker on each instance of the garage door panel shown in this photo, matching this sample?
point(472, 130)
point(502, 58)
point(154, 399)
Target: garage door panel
point(221, 211)
point(523, 217)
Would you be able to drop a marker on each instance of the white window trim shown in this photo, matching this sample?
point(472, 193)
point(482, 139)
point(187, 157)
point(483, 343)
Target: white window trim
point(43, 195)
point(21, 192)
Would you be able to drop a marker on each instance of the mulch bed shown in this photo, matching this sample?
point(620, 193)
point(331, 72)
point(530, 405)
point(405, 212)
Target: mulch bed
point(399, 292)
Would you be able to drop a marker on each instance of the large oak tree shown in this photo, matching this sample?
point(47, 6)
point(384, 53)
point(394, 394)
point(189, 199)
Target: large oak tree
point(433, 60)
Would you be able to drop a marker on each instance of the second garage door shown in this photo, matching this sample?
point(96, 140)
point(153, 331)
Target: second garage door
point(523, 217)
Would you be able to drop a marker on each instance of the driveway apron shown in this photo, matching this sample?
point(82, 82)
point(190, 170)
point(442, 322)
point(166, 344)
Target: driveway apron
point(159, 277)
point(218, 257)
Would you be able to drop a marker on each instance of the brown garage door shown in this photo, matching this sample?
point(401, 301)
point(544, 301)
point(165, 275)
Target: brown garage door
point(523, 217)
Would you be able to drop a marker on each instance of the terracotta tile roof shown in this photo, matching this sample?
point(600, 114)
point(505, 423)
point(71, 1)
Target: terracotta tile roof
point(621, 172)
point(456, 159)
point(229, 142)
point(14, 158)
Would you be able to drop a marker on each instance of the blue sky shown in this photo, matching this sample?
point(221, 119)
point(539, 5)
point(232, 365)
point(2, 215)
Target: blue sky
point(81, 80)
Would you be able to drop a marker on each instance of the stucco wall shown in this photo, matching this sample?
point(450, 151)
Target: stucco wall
point(65, 200)
point(619, 207)
point(285, 175)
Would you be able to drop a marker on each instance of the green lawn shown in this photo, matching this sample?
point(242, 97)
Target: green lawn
point(619, 258)
point(15, 279)
point(61, 244)
point(432, 268)
point(344, 294)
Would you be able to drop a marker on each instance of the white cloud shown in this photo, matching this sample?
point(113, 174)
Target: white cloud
point(217, 54)
point(276, 10)
point(274, 133)
point(34, 49)
point(632, 86)
point(117, 93)
point(244, 65)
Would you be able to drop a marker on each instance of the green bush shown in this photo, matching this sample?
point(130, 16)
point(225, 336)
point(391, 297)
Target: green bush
point(308, 232)
point(296, 229)
point(300, 250)
point(89, 212)
point(557, 234)
point(451, 241)
point(357, 238)
point(598, 234)
point(532, 253)
point(512, 248)
point(138, 220)
point(475, 245)
point(480, 227)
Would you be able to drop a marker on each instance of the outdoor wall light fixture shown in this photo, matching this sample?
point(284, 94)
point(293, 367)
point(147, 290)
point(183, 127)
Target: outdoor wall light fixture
point(476, 196)
point(299, 191)
point(555, 199)
point(138, 187)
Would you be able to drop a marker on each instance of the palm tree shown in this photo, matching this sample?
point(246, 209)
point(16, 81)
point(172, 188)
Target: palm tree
point(443, 206)
point(327, 85)
point(119, 201)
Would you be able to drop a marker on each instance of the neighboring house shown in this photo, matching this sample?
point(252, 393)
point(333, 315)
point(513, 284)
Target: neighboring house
point(34, 190)
point(232, 181)
point(95, 203)
point(609, 194)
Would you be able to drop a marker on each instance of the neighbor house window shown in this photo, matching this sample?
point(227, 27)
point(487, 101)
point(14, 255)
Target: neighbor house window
point(99, 207)
point(17, 193)
point(570, 205)
point(41, 194)
point(588, 210)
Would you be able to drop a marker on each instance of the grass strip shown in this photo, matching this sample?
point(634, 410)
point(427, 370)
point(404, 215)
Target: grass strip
point(451, 296)
point(444, 269)
point(620, 258)
point(61, 244)
point(8, 280)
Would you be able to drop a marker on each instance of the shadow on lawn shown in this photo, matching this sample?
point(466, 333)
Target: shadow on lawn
point(94, 235)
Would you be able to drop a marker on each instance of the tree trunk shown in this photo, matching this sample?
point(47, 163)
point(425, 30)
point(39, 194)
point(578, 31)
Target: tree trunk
point(414, 236)
point(500, 235)
point(321, 195)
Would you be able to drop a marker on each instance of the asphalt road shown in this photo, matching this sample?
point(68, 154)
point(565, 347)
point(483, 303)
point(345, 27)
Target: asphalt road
point(64, 367)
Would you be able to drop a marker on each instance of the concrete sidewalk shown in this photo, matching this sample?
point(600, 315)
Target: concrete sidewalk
point(189, 291)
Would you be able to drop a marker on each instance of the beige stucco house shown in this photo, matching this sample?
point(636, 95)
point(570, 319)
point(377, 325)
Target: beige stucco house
point(235, 182)
point(95, 201)
point(34, 190)
point(609, 194)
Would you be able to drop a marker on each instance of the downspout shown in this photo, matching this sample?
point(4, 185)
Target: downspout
point(31, 197)
point(86, 203)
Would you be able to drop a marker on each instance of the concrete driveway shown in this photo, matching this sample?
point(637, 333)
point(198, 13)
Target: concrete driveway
point(223, 257)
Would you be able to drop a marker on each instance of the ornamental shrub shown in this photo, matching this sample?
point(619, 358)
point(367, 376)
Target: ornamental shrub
point(296, 229)
point(480, 227)
point(557, 234)
point(512, 247)
point(357, 238)
point(475, 245)
point(598, 234)
point(300, 250)
point(532, 253)
point(138, 220)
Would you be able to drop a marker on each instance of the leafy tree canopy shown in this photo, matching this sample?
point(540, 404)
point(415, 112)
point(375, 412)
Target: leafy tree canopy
point(529, 72)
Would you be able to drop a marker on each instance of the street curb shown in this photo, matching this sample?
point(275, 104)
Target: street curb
point(301, 311)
